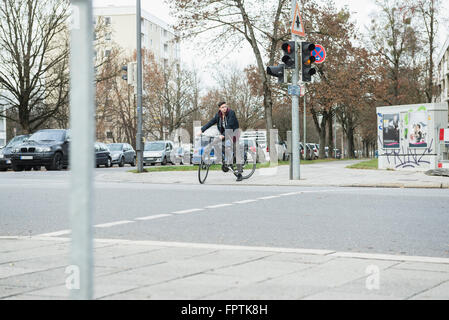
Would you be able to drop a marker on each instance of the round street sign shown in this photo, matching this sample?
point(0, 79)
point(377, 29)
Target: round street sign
point(319, 53)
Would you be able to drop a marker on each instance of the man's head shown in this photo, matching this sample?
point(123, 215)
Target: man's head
point(222, 107)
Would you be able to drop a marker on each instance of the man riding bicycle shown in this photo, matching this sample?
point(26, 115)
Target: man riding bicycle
point(226, 121)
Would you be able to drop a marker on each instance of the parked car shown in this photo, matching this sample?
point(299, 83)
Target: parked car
point(102, 155)
point(5, 153)
point(282, 151)
point(253, 145)
point(122, 153)
point(314, 151)
point(182, 155)
point(158, 152)
point(48, 147)
point(198, 149)
point(336, 153)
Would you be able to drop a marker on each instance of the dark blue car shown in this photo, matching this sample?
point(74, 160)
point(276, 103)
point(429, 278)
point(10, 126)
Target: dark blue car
point(5, 153)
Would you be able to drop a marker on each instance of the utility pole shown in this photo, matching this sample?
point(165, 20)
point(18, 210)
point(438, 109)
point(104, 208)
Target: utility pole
point(139, 136)
point(82, 124)
point(304, 122)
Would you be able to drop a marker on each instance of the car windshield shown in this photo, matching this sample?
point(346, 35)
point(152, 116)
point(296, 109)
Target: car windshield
point(16, 140)
point(56, 135)
point(156, 146)
point(115, 146)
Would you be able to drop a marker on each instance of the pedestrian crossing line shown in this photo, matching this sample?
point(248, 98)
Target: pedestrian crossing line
point(157, 216)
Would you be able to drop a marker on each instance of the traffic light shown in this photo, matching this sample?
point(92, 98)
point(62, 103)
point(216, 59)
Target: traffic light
point(125, 73)
point(130, 73)
point(278, 72)
point(289, 54)
point(307, 60)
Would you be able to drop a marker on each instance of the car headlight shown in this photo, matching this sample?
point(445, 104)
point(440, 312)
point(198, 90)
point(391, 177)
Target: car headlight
point(1, 156)
point(43, 149)
point(15, 150)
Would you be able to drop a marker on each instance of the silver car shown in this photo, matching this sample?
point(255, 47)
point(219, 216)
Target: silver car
point(122, 153)
point(159, 152)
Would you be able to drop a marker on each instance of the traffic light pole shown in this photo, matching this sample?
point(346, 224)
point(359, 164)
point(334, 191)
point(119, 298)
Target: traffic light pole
point(139, 142)
point(296, 160)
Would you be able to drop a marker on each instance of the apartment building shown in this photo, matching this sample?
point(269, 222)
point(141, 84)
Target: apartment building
point(157, 35)
point(443, 74)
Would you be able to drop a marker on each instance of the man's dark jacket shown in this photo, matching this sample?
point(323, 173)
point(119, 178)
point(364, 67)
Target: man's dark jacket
point(230, 122)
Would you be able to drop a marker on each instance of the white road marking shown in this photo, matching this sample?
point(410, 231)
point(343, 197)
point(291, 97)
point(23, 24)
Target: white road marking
point(268, 198)
point(220, 206)
point(157, 216)
point(55, 234)
point(245, 201)
point(112, 224)
point(187, 211)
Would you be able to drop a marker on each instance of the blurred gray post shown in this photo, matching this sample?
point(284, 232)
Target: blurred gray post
point(139, 137)
point(295, 108)
point(82, 112)
point(305, 119)
point(289, 150)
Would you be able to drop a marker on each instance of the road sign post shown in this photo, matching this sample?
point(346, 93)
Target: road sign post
point(297, 30)
point(82, 97)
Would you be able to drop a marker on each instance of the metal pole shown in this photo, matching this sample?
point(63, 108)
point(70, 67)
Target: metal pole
point(139, 136)
point(295, 109)
point(304, 122)
point(82, 111)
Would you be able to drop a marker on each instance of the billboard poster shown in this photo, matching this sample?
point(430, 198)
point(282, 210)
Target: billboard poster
point(391, 131)
point(417, 130)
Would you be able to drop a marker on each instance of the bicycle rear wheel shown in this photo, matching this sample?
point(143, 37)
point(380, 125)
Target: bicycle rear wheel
point(249, 165)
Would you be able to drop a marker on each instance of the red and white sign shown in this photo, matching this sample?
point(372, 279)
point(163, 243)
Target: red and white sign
point(297, 25)
point(319, 53)
point(444, 135)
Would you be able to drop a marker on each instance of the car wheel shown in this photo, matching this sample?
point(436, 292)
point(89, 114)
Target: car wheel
point(37, 168)
point(164, 162)
point(17, 168)
point(109, 163)
point(122, 162)
point(57, 162)
point(3, 169)
point(133, 164)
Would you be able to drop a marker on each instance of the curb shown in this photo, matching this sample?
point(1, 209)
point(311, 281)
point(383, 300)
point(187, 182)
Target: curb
point(316, 252)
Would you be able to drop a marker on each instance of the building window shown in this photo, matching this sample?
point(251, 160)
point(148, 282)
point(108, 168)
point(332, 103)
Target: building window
point(108, 36)
point(109, 135)
point(165, 48)
point(107, 20)
point(107, 53)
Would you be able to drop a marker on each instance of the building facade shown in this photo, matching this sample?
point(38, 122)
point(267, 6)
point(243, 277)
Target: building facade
point(119, 25)
point(443, 74)
point(157, 35)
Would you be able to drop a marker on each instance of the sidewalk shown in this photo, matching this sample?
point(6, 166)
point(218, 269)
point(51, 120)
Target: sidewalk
point(334, 174)
point(37, 268)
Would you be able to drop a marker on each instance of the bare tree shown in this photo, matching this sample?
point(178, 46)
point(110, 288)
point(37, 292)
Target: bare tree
point(33, 60)
point(229, 22)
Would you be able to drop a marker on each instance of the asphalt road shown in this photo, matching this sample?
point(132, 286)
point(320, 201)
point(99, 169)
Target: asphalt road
point(392, 221)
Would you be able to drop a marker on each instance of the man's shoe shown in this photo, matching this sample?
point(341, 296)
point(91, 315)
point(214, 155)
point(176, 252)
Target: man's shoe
point(239, 178)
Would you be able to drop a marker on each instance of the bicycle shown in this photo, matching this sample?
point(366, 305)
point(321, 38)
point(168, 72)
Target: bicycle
point(249, 162)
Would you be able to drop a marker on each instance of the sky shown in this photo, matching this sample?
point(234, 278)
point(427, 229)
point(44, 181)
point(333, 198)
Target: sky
point(362, 11)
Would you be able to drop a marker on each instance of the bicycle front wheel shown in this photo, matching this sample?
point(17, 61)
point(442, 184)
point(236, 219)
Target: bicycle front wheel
point(203, 171)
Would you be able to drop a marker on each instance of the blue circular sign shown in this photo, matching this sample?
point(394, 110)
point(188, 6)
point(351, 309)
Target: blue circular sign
point(319, 53)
